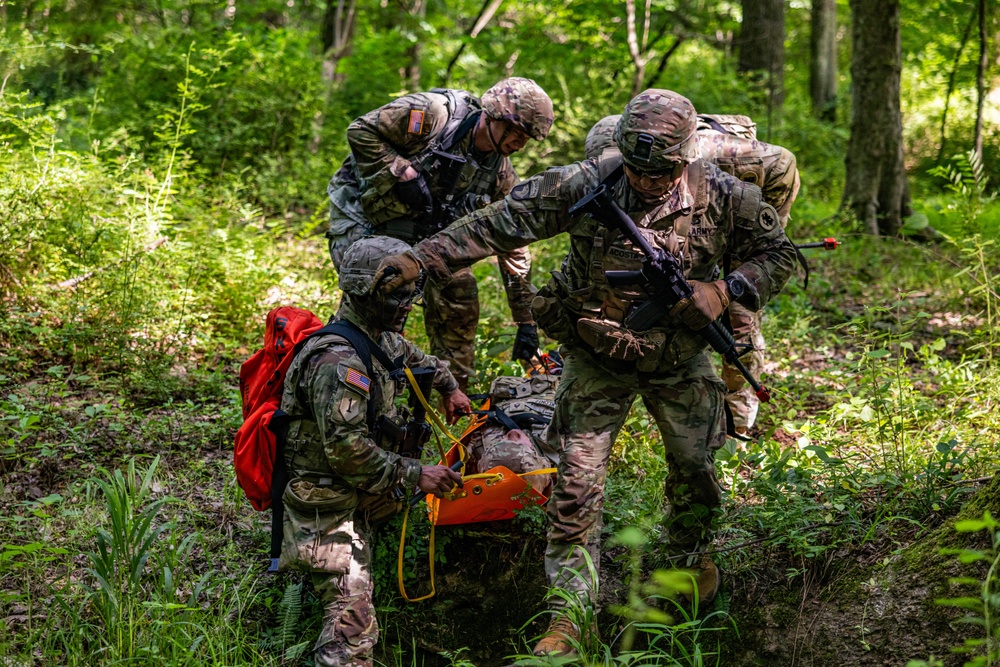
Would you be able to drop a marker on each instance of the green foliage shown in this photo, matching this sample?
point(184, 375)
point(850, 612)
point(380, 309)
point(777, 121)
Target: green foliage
point(983, 604)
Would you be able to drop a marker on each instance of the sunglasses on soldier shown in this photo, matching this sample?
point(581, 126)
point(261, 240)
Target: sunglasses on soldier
point(653, 175)
point(403, 297)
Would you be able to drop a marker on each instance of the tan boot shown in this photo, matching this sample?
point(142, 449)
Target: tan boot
point(560, 639)
point(707, 580)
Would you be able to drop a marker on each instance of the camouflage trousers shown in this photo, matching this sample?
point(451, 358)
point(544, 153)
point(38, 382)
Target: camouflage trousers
point(743, 403)
point(493, 445)
point(591, 406)
point(451, 310)
point(323, 536)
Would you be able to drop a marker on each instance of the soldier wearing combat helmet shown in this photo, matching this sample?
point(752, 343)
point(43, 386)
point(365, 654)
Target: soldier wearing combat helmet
point(684, 206)
point(424, 160)
point(730, 143)
point(346, 475)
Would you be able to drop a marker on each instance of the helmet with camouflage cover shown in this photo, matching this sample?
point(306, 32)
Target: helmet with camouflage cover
point(357, 270)
point(657, 130)
point(601, 136)
point(522, 102)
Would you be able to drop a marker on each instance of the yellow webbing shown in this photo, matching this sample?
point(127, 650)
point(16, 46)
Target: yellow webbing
point(406, 517)
point(461, 455)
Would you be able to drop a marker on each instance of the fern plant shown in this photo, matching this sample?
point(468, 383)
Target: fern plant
point(966, 178)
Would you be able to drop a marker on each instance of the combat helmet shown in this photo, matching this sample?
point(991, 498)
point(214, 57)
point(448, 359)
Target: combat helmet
point(522, 102)
point(357, 270)
point(601, 136)
point(657, 130)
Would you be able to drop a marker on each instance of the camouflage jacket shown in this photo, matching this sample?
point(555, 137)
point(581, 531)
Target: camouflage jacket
point(328, 382)
point(404, 133)
point(708, 214)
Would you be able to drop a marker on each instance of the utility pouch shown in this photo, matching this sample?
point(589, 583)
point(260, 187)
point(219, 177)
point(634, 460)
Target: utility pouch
point(552, 316)
point(375, 509)
point(612, 340)
point(313, 513)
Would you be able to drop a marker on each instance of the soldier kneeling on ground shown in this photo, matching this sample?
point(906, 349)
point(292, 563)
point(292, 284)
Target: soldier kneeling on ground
point(345, 478)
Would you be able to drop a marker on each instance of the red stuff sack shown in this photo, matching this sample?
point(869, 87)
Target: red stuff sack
point(262, 379)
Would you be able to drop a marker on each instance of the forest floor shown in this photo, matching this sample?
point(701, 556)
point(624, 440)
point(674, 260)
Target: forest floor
point(882, 427)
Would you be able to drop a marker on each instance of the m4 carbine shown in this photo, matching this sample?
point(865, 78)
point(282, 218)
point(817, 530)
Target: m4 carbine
point(415, 434)
point(448, 168)
point(662, 276)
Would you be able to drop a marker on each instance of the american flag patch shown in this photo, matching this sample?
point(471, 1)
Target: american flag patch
point(416, 124)
point(359, 380)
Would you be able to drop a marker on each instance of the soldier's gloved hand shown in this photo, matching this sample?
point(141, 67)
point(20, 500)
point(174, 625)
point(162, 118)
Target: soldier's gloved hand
point(705, 306)
point(415, 194)
point(525, 342)
point(456, 405)
point(395, 271)
point(438, 480)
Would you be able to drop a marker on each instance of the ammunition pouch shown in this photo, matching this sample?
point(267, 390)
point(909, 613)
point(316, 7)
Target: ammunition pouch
point(375, 509)
point(610, 339)
point(552, 313)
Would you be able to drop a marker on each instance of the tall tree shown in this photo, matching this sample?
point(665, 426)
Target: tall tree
point(876, 188)
point(823, 59)
point(762, 48)
point(981, 78)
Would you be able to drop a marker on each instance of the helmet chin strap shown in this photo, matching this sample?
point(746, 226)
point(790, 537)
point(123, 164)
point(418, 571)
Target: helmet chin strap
point(489, 133)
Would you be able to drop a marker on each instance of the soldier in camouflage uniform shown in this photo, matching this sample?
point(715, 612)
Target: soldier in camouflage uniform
point(424, 160)
point(344, 477)
point(730, 143)
point(514, 436)
point(685, 206)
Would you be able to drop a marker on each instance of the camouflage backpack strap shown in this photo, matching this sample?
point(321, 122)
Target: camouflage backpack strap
point(682, 225)
point(463, 114)
point(736, 125)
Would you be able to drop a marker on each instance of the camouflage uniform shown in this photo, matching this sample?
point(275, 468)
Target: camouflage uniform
point(522, 449)
point(707, 214)
point(343, 482)
point(730, 143)
point(405, 133)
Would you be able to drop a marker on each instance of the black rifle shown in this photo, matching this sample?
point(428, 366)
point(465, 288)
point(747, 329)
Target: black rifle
point(414, 435)
point(448, 167)
point(662, 273)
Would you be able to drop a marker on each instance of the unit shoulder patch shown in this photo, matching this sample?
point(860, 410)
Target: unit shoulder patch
point(767, 217)
point(526, 190)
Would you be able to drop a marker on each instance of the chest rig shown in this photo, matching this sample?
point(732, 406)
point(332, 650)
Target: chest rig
point(580, 306)
point(457, 180)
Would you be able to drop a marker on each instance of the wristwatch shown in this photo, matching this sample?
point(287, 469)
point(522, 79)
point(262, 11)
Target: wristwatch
point(736, 287)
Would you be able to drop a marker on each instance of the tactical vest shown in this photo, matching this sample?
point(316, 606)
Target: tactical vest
point(580, 307)
point(475, 180)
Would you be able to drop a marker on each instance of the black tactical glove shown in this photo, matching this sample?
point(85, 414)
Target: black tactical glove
point(525, 343)
point(415, 194)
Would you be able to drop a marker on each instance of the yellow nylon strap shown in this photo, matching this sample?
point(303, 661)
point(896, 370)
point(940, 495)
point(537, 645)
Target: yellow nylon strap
point(430, 413)
point(399, 561)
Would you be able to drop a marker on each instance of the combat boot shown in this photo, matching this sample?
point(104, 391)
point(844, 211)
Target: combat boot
point(560, 639)
point(707, 580)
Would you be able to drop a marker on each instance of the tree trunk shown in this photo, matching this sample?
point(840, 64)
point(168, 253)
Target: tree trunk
point(412, 75)
point(338, 36)
point(981, 78)
point(876, 178)
point(762, 49)
point(823, 61)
